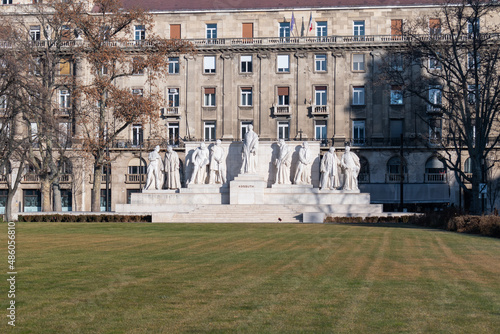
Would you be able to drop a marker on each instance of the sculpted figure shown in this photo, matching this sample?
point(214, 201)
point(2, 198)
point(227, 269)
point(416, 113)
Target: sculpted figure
point(154, 170)
point(329, 170)
point(217, 164)
point(282, 163)
point(200, 162)
point(249, 152)
point(303, 172)
point(350, 164)
point(171, 168)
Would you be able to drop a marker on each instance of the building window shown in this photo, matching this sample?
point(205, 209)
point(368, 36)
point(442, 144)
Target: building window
point(104, 199)
point(173, 65)
point(65, 134)
point(137, 135)
point(173, 97)
point(283, 63)
point(246, 64)
point(211, 29)
point(32, 200)
point(244, 128)
point(247, 30)
point(209, 130)
point(173, 133)
point(6, 2)
point(283, 130)
point(209, 97)
point(435, 97)
point(359, 28)
point(320, 61)
point(396, 29)
point(320, 131)
point(246, 96)
point(137, 66)
point(129, 194)
point(396, 95)
point(358, 62)
point(64, 99)
point(358, 132)
point(3, 102)
point(434, 63)
point(358, 96)
point(471, 95)
point(209, 64)
point(473, 26)
point(283, 96)
point(396, 62)
point(35, 33)
point(435, 130)
point(321, 29)
point(320, 96)
point(473, 62)
point(65, 66)
point(396, 130)
point(175, 31)
point(394, 169)
point(138, 92)
point(139, 32)
point(3, 200)
point(434, 26)
point(285, 29)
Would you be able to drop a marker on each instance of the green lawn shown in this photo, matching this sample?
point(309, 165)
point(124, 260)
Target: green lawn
point(197, 278)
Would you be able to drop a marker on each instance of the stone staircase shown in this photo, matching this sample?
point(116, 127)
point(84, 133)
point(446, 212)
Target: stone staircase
point(239, 213)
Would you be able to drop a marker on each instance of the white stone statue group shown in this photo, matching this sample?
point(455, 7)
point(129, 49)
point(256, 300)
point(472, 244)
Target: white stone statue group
point(330, 164)
point(216, 161)
point(167, 170)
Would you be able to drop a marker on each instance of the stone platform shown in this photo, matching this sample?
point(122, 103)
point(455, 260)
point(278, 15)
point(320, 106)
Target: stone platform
point(248, 199)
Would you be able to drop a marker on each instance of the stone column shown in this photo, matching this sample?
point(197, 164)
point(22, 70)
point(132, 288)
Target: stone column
point(229, 97)
point(340, 120)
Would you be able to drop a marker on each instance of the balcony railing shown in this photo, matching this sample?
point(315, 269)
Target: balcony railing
point(320, 110)
point(395, 178)
point(3, 178)
point(435, 177)
point(103, 178)
point(282, 110)
point(65, 178)
point(170, 111)
point(337, 40)
point(62, 112)
point(363, 178)
point(31, 178)
point(135, 178)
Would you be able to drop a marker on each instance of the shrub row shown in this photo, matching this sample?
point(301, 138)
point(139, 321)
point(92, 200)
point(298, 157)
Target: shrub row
point(86, 218)
point(369, 220)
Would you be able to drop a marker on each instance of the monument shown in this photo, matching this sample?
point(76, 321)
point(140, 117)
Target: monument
point(217, 164)
point(329, 170)
point(171, 169)
point(282, 163)
point(249, 151)
point(199, 162)
point(154, 170)
point(303, 171)
point(351, 166)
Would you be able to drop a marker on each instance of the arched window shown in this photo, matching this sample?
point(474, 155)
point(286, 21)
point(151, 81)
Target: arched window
point(394, 170)
point(136, 171)
point(364, 172)
point(435, 170)
point(468, 166)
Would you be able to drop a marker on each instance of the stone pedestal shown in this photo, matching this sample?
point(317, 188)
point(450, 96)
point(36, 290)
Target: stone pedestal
point(247, 189)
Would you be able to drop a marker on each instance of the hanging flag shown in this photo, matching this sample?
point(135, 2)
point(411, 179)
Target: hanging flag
point(292, 24)
point(311, 22)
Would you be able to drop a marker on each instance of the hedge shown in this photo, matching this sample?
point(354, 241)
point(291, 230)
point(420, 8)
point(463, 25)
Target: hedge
point(65, 218)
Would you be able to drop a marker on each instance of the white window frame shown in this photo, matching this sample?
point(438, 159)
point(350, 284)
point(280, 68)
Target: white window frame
point(358, 62)
point(209, 99)
point(246, 64)
point(64, 99)
point(358, 95)
point(173, 133)
point(173, 97)
point(137, 135)
point(211, 30)
point(320, 97)
point(320, 130)
point(283, 63)
point(244, 128)
point(321, 29)
point(396, 98)
point(35, 33)
point(139, 32)
point(359, 132)
point(284, 29)
point(3, 102)
point(209, 130)
point(173, 65)
point(246, 96)
point(283, 130)
point(209, 64)
point(320, 62)
point(435, 95)
point(358, 28)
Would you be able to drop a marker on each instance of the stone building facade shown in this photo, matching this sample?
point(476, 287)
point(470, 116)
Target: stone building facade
point(298, 71)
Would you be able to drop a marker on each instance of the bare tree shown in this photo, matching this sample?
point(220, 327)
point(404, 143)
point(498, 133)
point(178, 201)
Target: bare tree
point(451, 61)
point(106, 107)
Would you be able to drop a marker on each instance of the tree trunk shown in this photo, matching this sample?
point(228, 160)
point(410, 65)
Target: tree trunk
point(45, 188)
point(57, 196)
point(8, 206)
point(96, 191)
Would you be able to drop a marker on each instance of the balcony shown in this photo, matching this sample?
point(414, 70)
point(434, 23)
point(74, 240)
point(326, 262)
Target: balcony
point(103, 178)
point(4, 178)
point(30, 178)
point(135, 178)
point(282, 110)
point(395, 178)
point(319, 110)
point(434, 109)
point(170, 112)
point(62, 112)
point(65, 178)
point(435, 177)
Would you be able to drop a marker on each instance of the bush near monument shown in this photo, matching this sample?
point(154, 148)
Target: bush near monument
point(86, 218)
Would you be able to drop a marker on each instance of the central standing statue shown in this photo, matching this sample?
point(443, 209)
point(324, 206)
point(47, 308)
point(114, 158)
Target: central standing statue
point(217, 164)
point(282, 163)
point(329, 170)
point(350, 164)
point(171, 168)
point(303, 173)
point(249, 152)
point(155, 167)
point(200, 162)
